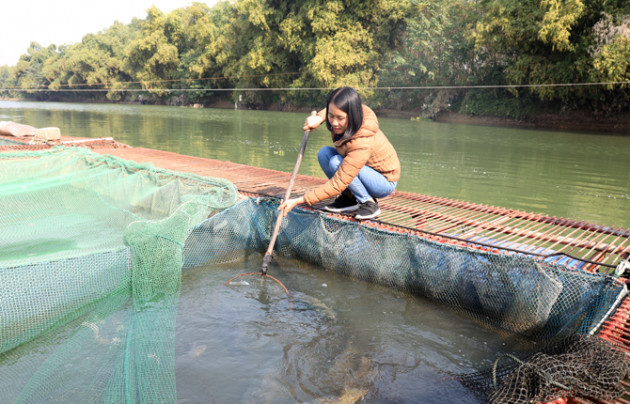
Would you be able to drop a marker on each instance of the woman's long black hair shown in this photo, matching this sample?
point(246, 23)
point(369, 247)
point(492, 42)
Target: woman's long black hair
point(347, 99)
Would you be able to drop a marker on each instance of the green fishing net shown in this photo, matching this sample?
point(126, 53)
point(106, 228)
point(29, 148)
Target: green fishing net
point(92, 250)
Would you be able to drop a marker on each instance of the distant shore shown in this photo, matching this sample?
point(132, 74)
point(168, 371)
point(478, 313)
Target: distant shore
point(573, 121)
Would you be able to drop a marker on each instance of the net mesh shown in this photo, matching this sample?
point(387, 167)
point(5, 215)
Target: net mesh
point(586, 366)
point(512, 292)
point(94, 247)
point(93, 250)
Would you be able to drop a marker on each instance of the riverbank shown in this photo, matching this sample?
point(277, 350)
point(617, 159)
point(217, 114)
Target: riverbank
point(575, 121)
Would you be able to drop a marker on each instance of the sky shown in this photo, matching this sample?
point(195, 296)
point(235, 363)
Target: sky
point(67, 21)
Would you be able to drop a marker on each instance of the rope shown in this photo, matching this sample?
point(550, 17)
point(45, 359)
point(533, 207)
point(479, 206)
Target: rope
point(69, 86)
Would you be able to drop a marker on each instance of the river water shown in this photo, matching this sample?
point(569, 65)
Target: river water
point(341, 339)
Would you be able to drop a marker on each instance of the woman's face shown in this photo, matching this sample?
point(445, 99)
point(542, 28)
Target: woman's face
point(338, 119)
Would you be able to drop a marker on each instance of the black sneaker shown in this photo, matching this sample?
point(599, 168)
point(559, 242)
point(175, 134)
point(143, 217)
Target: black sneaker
point(368, 210)
point(343, 204)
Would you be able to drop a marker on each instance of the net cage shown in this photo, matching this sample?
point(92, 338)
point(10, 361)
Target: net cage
point(94, 247)
point(92, 250)
point(516, 292)
point(545, 302)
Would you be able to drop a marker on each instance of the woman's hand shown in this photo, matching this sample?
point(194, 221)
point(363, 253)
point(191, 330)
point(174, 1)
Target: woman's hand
point(313, 121)
point(288, 205)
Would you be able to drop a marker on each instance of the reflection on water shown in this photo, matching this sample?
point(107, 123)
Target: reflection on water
point(575, 175)
point(338, 339)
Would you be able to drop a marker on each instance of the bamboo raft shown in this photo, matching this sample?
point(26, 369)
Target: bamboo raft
point(572, 243)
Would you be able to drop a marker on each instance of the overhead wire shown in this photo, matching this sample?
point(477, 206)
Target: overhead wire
point(73, 87)
point(144, 82)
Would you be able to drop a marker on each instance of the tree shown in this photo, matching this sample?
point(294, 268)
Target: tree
point(28, 71)
point(435, 50)
point(208, 38)
point(610, 54)
point(7, 81)
point(98, 61)
point(254, 54)
point(316, 43)
point(153, 58)
point(323, 44)
point(551, 42)
point(352, 40)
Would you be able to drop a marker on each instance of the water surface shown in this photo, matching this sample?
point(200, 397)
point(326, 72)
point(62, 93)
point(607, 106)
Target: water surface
point(334, 338)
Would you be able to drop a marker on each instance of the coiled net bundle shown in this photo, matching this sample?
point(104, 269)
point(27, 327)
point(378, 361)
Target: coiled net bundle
point(581, 366)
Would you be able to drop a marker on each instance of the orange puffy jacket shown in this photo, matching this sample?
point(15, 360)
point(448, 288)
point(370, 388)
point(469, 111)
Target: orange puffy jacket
point(368, 146)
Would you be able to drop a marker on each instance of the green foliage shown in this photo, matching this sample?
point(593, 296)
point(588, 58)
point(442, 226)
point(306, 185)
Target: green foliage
point(611, 53)
point(153, 57)
point(7, 81)
point(94, 63)
point(353, 39)
point(434, 50)
point(560, 16)
point(29, 70)
point(557, 42)
point(321, 44)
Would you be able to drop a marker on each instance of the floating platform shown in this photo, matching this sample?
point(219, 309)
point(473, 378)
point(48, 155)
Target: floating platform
point(569, 242)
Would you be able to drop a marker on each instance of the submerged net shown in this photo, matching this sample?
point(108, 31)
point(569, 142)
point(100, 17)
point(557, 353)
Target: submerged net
point(93, 249)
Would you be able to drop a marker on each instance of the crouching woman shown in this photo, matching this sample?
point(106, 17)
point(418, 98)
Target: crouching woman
point(361, 167)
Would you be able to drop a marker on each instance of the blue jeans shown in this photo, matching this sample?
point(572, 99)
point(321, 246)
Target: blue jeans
point(367, 184)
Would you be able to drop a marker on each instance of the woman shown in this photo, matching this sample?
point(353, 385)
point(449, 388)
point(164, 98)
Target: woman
point(361, 167)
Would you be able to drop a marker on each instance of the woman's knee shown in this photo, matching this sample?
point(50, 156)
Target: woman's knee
point(328, 157)
point(326, 152)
